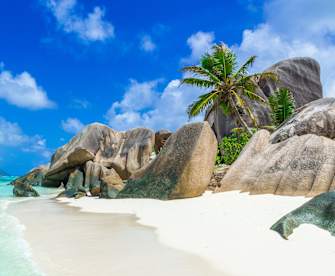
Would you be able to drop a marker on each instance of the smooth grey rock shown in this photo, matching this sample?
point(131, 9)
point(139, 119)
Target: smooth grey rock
point(34, 177)
point(182, 169)
point(317, 117)
point(111, 185)
point(300, 165)
point(126, 152)
point(22, 189)
point(319, 211)
point(75, 184)
point(300, 75)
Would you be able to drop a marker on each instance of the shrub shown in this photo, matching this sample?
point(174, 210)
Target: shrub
point(231, 146)
point(282, 106)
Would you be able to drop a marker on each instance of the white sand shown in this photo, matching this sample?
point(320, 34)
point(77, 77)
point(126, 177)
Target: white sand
point(231, 230)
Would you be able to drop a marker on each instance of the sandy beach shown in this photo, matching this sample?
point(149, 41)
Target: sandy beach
point(231, 231)
point(67, 242)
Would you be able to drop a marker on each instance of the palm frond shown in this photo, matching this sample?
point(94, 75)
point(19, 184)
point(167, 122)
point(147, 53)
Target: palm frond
point(203, 103)
point(207, 62)
point(253, 96)
point(243, 70)
point(198, 82)
point(282, 106)
point(199, 70)
point(225, 59)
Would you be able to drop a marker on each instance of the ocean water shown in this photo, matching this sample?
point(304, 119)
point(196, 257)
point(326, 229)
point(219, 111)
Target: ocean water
point(15, 255)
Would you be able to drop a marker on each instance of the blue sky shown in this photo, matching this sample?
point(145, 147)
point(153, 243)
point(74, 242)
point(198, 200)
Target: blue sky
point(67, 63)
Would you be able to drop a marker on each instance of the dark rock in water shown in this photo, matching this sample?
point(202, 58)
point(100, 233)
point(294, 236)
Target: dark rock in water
point(317, 117)
point(182, 169)
point(319, 211)
point(126, 152)
point(111, 185)
point(161, 138)
point(34, 177)
point(300, 75)
point(22, 189)
point(75, 185)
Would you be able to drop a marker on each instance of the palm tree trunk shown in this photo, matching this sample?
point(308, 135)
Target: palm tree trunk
point(240, 119)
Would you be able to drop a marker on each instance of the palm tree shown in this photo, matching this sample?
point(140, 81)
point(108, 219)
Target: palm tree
point(230, 88)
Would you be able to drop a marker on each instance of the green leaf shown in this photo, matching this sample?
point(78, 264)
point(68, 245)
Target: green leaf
point(198, 82)
point(203, 103)
point(282, 106)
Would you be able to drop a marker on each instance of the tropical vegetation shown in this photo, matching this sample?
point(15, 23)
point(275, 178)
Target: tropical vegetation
point(282, 106)
point(231, 146)
point(228, 86)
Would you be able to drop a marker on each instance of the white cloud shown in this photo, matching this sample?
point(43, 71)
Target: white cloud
point(11, 135)
point(72, 125)
point(147, 44)
point(292, 29)
point(22, 90)
point(90, 27)
point(165, 110)
point(80, 104)
point(199, 43)
point(144, 105)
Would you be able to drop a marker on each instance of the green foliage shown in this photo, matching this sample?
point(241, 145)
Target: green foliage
point(282, 106)
point(231, 146)
point(228, 87)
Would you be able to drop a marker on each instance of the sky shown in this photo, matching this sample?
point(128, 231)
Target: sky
point(67, 63)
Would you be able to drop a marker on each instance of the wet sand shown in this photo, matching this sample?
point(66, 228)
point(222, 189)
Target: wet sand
point(67, 242)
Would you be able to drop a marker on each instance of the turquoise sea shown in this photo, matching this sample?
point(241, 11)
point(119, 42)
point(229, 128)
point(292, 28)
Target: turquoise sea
point(15, 256)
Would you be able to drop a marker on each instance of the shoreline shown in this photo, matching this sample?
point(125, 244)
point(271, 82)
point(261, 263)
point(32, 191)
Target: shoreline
point(231, 231)
point(67, 242)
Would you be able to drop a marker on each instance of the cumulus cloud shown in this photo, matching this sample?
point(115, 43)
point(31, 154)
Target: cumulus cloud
point(147, 44)
point(160, 109)
point(292, 29)
point(11, 135)
point(145, 105)
point(90, 27)
point(199, 43)
point(23, 91)
point(72, 125)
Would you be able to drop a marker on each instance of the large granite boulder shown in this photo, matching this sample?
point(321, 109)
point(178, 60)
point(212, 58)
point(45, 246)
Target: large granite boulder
point(300, 165)
point(319, 211)
point(75, 184)
point(317, 117)
point(300, 75)
point(23, 189)
point(126, 152)
point(23, 186)
point(97, 176)
point(111, 185)
point(182, 169)
point(34, 177)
